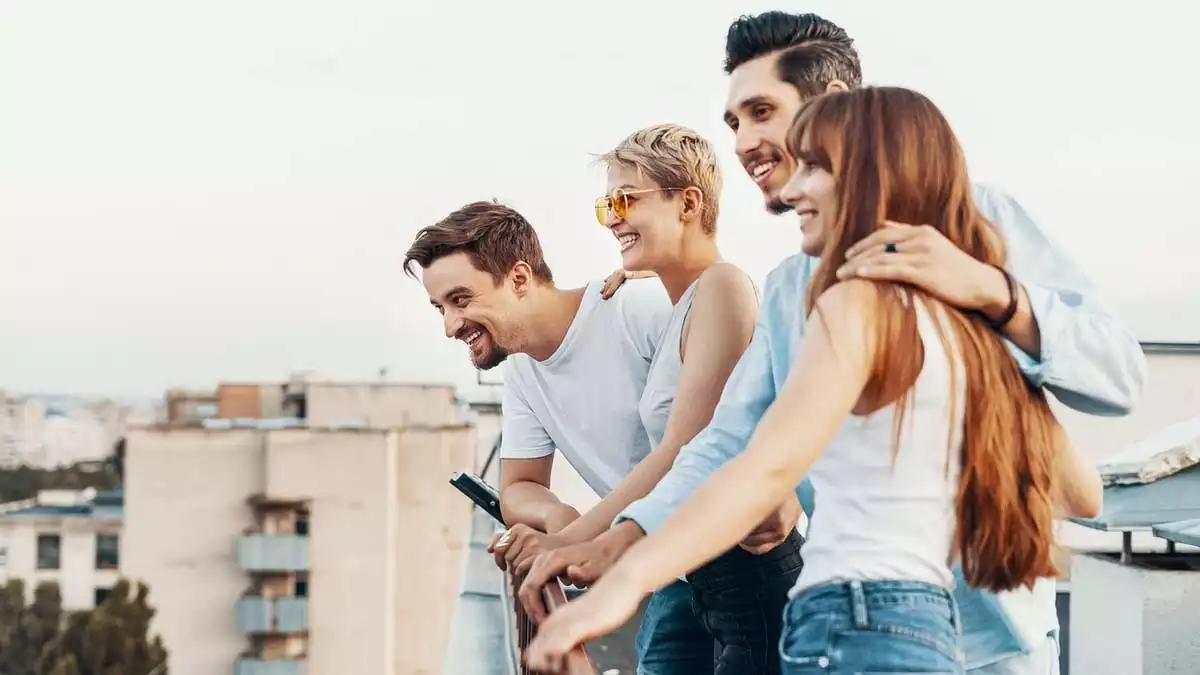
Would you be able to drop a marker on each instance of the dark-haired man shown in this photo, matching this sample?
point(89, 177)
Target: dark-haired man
point(1062, 336)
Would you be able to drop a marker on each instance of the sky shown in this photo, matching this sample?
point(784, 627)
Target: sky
point(192, 193)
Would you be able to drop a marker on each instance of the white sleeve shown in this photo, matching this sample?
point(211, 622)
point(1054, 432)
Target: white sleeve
point(522, 435)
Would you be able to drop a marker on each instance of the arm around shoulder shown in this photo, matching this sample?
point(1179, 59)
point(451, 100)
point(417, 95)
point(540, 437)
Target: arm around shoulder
point(1089, 359)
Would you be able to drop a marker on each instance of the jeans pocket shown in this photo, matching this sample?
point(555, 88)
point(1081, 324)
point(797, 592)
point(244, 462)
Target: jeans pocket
point(805, 641)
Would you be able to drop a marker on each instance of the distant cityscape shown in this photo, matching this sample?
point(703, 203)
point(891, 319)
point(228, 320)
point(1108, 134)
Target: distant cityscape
point(305, 527)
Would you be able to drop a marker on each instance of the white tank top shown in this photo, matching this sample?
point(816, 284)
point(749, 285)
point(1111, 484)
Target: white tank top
point(881, 515)
point(659, 394)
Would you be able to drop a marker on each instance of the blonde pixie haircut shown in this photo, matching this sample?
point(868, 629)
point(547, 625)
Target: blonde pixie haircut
point(673, 156)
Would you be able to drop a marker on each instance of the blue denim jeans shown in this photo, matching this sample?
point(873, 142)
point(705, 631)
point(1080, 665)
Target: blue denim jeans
point(727, 618)
point(872, 627)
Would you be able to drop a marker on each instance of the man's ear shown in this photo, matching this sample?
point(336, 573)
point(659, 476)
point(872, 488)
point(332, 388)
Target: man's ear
point(836, 85)
point(521, 277)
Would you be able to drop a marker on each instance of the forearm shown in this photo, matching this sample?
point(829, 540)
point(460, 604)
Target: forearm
point(636, 485)
point(532, 504)
point(709, 523)
point(1022, 328)
point(1079, 487)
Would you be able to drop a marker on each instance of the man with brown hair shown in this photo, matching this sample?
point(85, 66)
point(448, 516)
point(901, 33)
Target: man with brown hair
point(576, 366)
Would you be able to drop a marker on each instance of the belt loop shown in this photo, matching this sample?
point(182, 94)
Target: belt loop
point(858, 604)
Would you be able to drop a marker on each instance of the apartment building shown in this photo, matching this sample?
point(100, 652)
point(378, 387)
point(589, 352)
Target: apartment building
point(307, 530)
point(51, 431)
point(72, 538)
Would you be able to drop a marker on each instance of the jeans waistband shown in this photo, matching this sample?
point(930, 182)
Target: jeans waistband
point(739, 566)
point(858, 598)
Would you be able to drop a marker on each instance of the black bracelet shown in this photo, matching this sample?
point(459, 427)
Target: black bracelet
point(1013, 301)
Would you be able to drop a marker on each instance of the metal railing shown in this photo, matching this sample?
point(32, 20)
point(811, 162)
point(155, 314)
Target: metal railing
point(523, 629)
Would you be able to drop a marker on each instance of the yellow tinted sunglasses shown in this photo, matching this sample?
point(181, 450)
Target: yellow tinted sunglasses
point(619, 202)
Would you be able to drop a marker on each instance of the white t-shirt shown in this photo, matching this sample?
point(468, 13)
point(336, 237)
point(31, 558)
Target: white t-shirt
point(583, 399)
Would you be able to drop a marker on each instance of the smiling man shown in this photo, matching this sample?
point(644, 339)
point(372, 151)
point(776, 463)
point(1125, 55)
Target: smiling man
point(1062, 335)
point(483, 268)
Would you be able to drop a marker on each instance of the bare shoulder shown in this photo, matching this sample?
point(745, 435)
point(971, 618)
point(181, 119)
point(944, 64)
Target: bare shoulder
point(850, 305)
point(727, 285)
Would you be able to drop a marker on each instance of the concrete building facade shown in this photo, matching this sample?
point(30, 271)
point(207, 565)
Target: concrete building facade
point(319, 550)
point(71, 538)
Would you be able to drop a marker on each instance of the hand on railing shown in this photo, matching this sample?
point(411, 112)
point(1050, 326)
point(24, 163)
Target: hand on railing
point(577, 661)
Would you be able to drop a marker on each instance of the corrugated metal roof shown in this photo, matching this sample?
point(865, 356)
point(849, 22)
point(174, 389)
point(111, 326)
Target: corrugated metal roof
point(1140, 507)
point(1185, 532)
point(1165, 452)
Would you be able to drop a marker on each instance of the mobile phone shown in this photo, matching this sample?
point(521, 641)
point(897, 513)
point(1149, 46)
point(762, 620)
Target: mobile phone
point(485, 496)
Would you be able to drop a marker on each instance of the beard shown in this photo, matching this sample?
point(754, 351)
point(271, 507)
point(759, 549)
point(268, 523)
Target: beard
point(490, 359)
point(777, 207)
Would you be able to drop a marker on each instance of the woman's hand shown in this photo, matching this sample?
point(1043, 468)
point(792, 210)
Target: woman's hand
point(599, 611)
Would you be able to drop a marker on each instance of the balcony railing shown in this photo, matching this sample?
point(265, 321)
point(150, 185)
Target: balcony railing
point(259, 615)
point(259, 552)
point(249, 665)
point(523, 629)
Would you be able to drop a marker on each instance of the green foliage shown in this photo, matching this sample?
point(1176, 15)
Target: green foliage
point(25, 481)
point(113, 639)
point(25, 630)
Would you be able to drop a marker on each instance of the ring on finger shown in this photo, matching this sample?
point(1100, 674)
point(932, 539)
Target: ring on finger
point(889, 247)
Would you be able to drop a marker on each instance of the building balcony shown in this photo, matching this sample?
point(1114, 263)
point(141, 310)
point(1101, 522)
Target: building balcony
point(250, 665)
point(273, 553)
point(267, 616)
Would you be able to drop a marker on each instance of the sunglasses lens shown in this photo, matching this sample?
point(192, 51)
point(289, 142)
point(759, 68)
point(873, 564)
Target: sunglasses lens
point(602, 210)
point(620, 203)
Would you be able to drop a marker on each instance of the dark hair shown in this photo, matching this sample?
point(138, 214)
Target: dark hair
point(494, 236)
point(813, 51)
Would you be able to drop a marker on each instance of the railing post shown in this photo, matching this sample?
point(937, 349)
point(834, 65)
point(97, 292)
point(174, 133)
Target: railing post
point(577, 662)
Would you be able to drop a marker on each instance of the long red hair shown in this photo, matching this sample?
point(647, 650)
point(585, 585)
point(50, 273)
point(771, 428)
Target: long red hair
point(894, 157)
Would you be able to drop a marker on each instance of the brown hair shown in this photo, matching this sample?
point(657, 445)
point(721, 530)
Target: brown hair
point(894, 157)
point(495, 237)
point(673, 156)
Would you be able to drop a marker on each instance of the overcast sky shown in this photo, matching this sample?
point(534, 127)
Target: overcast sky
point(195, 192)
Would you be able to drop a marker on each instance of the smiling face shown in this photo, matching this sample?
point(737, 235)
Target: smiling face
point(811, 192)
point(759, 111)
point(475, 308)
point(652, 231)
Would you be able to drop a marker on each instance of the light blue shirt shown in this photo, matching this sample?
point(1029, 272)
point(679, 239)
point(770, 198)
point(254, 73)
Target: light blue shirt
point(1089, 361)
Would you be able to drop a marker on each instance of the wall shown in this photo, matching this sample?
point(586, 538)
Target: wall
point(77, 575)
point(433, 529)
point(239, 401)
point(185, 506)
point(379, 405)
point(345, 475)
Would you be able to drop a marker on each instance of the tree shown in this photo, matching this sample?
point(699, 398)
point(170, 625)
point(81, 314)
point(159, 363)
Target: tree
point(112, 639)
point(26, 630)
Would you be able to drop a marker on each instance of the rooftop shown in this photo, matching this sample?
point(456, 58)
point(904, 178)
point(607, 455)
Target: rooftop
point(61, 503)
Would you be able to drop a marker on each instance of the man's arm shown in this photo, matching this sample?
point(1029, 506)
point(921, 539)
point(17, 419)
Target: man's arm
point(526, 460)
point(1062, 336)
point(1089, 359)
point(720, 326)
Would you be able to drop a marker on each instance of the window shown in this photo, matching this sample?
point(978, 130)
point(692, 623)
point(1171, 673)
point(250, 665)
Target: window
point(108, 551)
point(302, 521)
point(49, 551)
point(300, 587)
point(101, 595)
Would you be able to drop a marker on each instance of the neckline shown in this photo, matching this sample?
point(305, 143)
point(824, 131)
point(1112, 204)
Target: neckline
point(590, 295)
